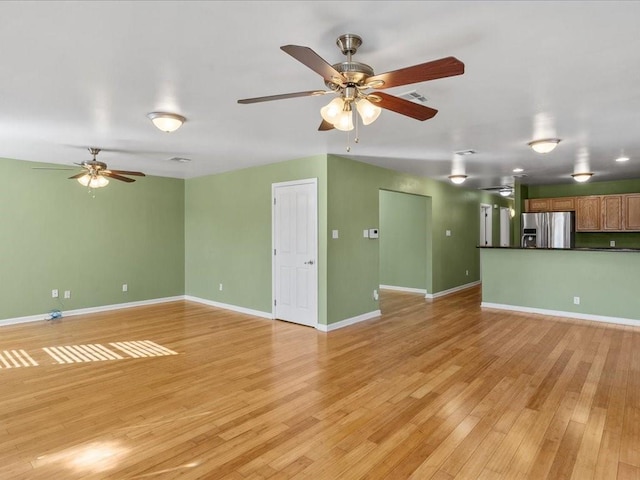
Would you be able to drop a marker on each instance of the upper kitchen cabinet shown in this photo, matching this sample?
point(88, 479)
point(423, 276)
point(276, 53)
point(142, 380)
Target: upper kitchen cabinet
point(538, 205)
point(563, 204)
point(612, 213)
point(588, 213)
point(631, 209)
point(559, 204)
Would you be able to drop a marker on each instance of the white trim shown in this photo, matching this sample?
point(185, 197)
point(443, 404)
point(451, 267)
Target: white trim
point(233, 308)
point(452, 290)
point(403, 289)
point(349, 321)
point(84, 311)
point(559, 313)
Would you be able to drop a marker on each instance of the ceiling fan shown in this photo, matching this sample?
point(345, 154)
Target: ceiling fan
point(95, 173)
point(503, 190)
point(352, 81)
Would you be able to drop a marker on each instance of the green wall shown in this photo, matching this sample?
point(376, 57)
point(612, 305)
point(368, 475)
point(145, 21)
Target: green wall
point(606, 282)
point(229, 238)
point(55, 235)
point(403, 239)
point(353, 205)
point(591, 239)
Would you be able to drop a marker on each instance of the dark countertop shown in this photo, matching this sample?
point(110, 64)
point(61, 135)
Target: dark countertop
point(581, 249)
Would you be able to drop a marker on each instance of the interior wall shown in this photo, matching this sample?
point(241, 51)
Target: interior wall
point(403, 240)
point(55, 235)
point(229, 236)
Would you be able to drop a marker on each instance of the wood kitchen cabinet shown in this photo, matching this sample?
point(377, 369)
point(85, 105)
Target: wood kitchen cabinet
point(612, 213)
point(589, 213)
point(631, 211)
point(538, 205)
point(563, 204)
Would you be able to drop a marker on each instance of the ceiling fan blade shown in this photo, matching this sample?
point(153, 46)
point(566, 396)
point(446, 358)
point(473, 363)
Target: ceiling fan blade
point(125, 172)
point(445, 67)
point(51, 168)
point(78, 175)
point(308, 93)
point(115, 176)
point(324, 126)
point(404, 107)
point(315, 62)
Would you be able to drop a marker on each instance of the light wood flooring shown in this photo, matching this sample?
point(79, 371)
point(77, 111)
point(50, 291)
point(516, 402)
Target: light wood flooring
point(431, 390)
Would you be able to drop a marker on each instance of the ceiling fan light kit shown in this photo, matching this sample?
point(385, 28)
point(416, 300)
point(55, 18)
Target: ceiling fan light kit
point(457, 179)
point(544, 145)
point(167, 122)
point(87, 180)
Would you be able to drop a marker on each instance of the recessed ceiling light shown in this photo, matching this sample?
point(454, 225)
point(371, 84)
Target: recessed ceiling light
point(518, 170)
point(622, 158)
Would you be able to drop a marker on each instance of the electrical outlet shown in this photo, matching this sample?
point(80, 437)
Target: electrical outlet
point(467, 273)
point(375, 294)
point(576, 300)
point(67, 294)
point(54, 293)
point(447, 233)
point(220, 287)
point(335, 234)
point(612, 243)
point(125, 287)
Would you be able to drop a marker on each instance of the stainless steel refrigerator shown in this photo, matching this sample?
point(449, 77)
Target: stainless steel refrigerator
point(548, 230)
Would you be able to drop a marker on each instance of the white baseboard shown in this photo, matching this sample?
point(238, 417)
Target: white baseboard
point(349, 321)
point(234, 308)
point(83, 311)
point(559, 313)
point(403, 289)
point(452, 290)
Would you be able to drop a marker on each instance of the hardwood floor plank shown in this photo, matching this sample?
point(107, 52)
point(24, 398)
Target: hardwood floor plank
point(433, 389)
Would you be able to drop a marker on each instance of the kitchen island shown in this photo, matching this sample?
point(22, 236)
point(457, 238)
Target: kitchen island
point(601, 284)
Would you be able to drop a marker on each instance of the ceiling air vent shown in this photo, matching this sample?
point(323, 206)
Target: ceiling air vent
point(414, 96)
point(465, 152)
point(180, 160)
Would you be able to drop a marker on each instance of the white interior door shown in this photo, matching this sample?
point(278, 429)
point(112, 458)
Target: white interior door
point(295, 256)
point(485, 225)
point(505, 221)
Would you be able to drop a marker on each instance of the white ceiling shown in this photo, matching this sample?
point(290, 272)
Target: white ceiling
point(81, 74)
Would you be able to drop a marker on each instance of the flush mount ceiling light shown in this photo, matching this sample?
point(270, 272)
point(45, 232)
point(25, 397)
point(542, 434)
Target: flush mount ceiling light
point(505, 192)
point(582, 177)
point(622, 158)
point(167, 122)
point(518, 170)
point(544, 145)
point(457, 179)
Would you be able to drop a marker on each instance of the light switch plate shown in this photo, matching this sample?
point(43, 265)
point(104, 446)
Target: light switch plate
point(334, 234)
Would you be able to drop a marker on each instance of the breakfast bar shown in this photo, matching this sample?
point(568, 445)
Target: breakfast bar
point(601, 284)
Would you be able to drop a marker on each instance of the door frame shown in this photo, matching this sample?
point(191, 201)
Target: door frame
point(488, 234)
point(274, 186)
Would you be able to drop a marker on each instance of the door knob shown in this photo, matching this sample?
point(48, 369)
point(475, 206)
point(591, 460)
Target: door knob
point(310, 262)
